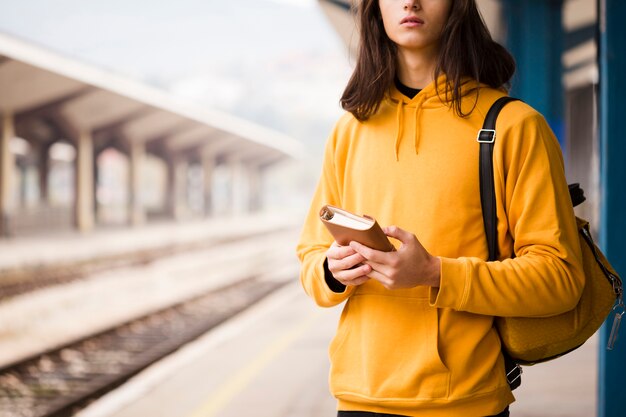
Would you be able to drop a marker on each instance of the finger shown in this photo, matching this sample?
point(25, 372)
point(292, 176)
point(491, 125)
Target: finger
point(346, 263)
point(359, 281)
point(384, 269)
point(402, 235)
point(369, 253)
point(347, 276)
point(339, 252)
point(382, 278)
point(356, 282)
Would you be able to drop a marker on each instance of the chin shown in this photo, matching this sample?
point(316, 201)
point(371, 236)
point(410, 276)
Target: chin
point(414, 44)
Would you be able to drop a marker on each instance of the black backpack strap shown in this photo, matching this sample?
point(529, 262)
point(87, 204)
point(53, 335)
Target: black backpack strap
point(486, 137)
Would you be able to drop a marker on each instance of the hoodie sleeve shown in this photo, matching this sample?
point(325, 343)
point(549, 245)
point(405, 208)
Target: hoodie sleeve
point(545, 277)
point(315, 240)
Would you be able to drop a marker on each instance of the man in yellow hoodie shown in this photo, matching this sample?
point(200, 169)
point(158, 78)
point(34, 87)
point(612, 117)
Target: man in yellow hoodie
point(416, 335)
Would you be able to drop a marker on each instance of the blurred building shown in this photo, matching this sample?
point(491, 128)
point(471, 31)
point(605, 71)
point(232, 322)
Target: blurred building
point(81, 147)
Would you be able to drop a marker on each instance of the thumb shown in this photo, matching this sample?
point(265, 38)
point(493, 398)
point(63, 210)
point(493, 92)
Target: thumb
point(402, 235)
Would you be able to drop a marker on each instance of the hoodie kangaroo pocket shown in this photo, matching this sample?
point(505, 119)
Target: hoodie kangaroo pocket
point(386, 348)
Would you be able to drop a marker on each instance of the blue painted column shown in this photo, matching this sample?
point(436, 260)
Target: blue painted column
point(612, 64)
point(534, 35)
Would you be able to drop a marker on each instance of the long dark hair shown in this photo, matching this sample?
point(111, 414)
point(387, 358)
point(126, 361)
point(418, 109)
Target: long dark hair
point(466, 49)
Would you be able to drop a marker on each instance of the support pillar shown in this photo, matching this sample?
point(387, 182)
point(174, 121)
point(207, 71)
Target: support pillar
point(254, 177)
point(180, 188)
point(238, 187)
point(170, 194)
point(535, 38)
point(7, 162)
point(85, 214)
point(612, 64)
point(22, 167)
point(44, 173)
point(137, 158)
point(208, 165)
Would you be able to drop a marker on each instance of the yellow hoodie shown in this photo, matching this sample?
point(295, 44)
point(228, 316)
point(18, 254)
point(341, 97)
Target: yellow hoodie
point(414, 164)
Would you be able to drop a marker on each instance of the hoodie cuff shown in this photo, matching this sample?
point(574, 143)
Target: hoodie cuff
point(333, 284)
point(454, 286)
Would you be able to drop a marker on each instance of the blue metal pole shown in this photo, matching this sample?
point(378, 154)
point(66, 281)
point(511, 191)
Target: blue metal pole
point(612, 64)
point(535, 38)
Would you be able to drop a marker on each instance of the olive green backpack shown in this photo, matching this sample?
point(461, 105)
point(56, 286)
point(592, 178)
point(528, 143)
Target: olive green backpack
point(527, 341)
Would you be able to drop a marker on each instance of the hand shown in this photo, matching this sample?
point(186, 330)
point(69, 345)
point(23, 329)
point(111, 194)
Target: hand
point(345, 265)
point(411, 265)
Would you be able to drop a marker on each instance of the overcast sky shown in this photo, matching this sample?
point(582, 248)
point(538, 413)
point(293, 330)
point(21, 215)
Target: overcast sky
point(278, 63)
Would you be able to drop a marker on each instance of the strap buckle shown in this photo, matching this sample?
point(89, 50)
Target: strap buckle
point(514, 374)
point(490, 135)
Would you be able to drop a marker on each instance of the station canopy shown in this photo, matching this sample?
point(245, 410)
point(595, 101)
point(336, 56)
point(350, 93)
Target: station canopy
point(35, 81)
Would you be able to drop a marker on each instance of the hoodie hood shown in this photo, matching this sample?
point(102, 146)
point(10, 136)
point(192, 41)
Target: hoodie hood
point(428, 98)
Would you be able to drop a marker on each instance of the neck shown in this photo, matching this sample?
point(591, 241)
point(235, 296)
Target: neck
point(416, 69)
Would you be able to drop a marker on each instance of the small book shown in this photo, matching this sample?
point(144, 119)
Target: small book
point(346, 227)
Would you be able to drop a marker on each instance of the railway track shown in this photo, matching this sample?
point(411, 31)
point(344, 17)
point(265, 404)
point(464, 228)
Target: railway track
point(59, 382)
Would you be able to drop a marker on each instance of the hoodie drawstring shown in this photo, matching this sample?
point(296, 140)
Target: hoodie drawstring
point(418, 122)
point(400, 122)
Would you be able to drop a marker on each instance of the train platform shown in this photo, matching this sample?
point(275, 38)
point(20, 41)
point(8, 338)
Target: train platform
point(271, 361)
point(44, 250)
